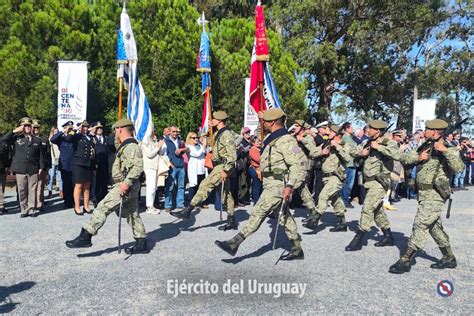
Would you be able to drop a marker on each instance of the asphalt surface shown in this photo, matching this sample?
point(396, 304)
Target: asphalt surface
point(40, 275)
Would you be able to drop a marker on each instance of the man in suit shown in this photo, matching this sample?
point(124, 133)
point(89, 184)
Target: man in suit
point(27, 164)
point(66, 150)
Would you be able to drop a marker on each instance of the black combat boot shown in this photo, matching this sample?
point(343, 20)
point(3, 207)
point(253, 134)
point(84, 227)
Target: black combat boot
point(387, 239)
point(404, 263)
point(313, 222)
point(139, 247)
point(231, 223)
point(81, 241)
point(341, 224)
point(357, 241)
point(296, 252)
point(231, 246)
point(448, 261)
point(184, 213)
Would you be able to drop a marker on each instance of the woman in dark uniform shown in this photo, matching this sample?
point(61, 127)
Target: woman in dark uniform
point(83, 162)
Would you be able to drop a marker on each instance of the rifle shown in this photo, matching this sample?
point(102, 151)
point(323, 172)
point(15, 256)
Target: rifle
point(283, 207)
point(120, 225)
point(222, 200)
point(429, 144)
point(369, 142)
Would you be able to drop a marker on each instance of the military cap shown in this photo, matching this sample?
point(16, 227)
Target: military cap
point(300, 122)
point(220, 115)
point(36, 123)
point(307, 126)
point(24, 121)
point(97, 124)
point(123, 123)
point(377, 124)
point(84, 123)
point(335, 128)
point(322, 124)
point(397, 132)
point(68, 123)
point(273, 114)
point(436, 124)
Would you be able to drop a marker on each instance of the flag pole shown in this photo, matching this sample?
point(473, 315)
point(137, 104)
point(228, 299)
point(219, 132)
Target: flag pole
point(262, 132)
point(119, 116)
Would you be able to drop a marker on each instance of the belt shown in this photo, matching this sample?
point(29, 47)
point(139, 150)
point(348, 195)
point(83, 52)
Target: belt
point(425, 186)
point(326, 175)
point(219, 161)
point(274, 176)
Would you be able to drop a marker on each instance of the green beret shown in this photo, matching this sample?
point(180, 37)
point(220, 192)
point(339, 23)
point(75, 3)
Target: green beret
point(436, 124)
point(220, 115)
point(123, 123)
point(272, 114)
point(300, 122)
point(335, 128)
point(24, 121)
point(378, 124)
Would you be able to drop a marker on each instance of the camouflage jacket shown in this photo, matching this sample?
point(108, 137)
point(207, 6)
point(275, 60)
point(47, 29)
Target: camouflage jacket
point(380, 161)
point(224, 150)
point(128, 164)
point(283, 158)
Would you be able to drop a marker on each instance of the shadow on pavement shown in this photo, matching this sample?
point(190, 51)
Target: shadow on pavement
point(6, 303)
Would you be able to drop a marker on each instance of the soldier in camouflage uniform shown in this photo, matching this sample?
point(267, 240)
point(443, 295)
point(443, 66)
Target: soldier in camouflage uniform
point(283, 166)
point(303, 191)
point(436, 164)
point(334, 164)
point(379, 153)
point(126, 172)
point(224, 155)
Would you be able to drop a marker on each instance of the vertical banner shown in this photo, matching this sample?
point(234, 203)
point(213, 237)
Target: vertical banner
point(250, 117)
point(423, 110)
point(72, 91)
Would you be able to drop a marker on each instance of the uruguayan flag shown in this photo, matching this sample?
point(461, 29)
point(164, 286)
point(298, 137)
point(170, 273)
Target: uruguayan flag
point(138, 109)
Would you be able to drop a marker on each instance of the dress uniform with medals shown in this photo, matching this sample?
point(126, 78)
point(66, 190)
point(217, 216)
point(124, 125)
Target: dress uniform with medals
point(83, 159)
point(433, 177)
point(126, 169)
point(379, 154)
point(283, 166)
point(27, 163)
point(66, 152)
point(224, 156)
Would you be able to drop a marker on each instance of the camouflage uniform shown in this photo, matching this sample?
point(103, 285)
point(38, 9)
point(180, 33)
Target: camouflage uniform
point(437, 169)
point(283, 166)
point(224, 155)
point(377, 168)
point(127, 168)
point(303, 190)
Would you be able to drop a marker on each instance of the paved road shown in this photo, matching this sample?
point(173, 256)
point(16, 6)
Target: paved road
point(41, 275)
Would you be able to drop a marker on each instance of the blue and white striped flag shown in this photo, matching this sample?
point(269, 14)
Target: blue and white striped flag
point(138, 109)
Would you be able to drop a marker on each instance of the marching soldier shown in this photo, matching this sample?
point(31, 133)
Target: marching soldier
point(303, 191)
point(27, 164)
point(224, 156)
point(283, 166)
point(43, 177)
point(126, 171)
point(436, 167)
point(336, 155)
point(379, 153)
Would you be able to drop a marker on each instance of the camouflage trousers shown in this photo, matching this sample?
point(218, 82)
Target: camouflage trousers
point(307, 198)
point(331, 192)
point(428, 220)
point(270, 201)
point(372, 209)
point(111, 203)
point(210, 183)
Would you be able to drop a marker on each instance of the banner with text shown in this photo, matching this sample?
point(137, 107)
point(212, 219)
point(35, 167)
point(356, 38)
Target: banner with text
point(250, 117)
point(72, 91)
point(423, 110)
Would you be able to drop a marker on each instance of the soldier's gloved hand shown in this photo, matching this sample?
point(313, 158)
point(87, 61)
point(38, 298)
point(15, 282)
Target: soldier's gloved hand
point(123, 188)
point(287, 192)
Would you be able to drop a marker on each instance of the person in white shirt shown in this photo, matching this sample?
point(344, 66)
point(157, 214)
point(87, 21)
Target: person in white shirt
point(54, 171)
point(151, 163)
point(197, 155)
